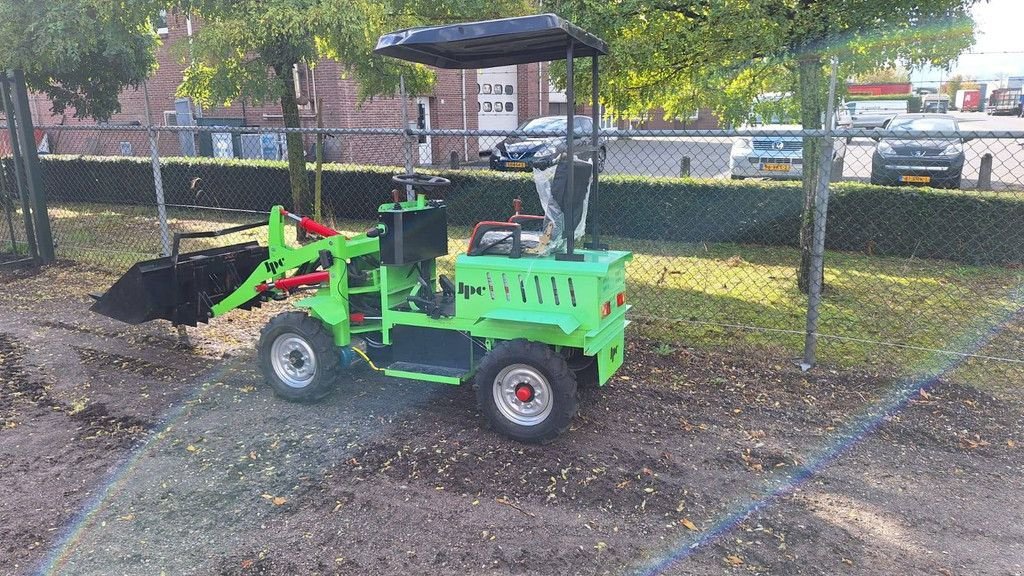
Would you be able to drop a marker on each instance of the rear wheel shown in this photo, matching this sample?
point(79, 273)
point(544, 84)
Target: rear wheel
point(298, 357)
point(526, 391)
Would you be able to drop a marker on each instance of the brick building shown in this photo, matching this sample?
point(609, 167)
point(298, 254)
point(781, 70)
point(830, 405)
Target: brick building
point(459, 100)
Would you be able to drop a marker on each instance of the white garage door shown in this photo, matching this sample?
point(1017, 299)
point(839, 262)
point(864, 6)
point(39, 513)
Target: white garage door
point(497, 102)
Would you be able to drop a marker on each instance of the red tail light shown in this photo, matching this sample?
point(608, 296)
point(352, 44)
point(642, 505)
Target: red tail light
point(620, 299)
point(606, 309)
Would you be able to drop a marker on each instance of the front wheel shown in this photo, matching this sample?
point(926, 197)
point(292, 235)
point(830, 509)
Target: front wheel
point(526, 391)
point(298, 357)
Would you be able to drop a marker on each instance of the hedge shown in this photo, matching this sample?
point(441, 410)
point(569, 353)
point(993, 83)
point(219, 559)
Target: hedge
point(969, 227)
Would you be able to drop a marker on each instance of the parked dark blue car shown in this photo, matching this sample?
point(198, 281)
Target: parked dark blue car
point(936, 161)
point(519, 154)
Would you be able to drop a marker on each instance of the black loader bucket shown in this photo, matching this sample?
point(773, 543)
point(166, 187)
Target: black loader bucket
point(181, 288)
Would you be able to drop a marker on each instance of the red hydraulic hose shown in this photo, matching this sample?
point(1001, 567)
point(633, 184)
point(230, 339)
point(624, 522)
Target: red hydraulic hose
point(300, 280)
point(310, 225)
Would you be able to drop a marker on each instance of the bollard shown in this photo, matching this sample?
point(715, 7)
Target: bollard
point(684, 166)
point(837, 168)
point(453, 160)
point(985, 172)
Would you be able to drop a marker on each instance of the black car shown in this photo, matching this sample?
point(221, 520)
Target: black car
point(517, 153)
point(936, 161)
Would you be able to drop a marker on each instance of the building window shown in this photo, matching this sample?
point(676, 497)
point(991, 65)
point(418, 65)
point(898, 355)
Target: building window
point(170, 118)
point(478, 108)
point(509, 107)
point(487, 106)
point(477, 87)
point(160, 22)
point(497, 88)
point(498, 107)
point(508, 89)
point(487, 88)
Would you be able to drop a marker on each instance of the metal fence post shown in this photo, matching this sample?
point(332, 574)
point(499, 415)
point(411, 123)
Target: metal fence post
point(19, 174)
point(158, 179)
point(33, 172)
point(818, 241)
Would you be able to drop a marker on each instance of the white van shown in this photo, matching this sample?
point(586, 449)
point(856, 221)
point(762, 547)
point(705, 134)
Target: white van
point(870, 113)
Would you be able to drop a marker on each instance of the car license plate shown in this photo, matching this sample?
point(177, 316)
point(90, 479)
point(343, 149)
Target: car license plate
point(775, 167)
point(917, 179)
point(515, 164)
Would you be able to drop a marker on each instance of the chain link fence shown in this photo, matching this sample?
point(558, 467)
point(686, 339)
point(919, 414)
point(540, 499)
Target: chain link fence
point(924, 239)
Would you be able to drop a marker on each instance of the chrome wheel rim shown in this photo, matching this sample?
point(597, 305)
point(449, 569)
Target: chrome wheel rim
point(293, 360)
point(508, 391)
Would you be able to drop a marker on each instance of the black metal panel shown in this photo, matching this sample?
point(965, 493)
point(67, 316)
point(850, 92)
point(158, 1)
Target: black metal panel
point(413, 235)
point(489, 43)
point(435, 347)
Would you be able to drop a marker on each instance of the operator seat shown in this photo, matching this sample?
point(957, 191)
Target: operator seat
point(546, 232)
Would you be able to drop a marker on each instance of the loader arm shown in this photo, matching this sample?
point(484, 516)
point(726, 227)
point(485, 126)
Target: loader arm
point(281, 260)
point(332, 251)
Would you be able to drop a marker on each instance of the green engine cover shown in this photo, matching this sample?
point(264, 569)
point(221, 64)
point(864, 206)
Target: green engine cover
point(544, 299)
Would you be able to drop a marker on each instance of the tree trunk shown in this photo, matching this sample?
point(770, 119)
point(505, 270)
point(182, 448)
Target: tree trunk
point(811, 79)
point(301, 198)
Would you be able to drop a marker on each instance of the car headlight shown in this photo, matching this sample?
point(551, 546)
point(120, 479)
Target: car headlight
point(885, 149)
point(743, 143)
point(953, 149)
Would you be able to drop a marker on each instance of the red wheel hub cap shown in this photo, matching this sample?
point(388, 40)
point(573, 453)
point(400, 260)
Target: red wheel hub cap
point(524, 392)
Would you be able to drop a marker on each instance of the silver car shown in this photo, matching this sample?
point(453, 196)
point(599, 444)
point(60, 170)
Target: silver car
point(776, 157)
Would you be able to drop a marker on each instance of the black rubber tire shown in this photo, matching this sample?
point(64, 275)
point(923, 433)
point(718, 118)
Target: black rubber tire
point(320, 341)
point(559, 377)
point(602, 155)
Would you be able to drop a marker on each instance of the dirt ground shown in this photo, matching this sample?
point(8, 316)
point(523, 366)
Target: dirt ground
point(122, 453)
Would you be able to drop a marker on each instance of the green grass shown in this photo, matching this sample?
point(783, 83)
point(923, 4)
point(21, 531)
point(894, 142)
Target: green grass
point(700, 295)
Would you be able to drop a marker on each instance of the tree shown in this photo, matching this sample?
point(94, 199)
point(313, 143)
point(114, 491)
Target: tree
point(247, 49)
point(80, 53)
point(685, 54)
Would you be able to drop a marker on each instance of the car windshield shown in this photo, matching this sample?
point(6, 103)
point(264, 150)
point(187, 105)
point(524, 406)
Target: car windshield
point(581, 124)
point(923, 124)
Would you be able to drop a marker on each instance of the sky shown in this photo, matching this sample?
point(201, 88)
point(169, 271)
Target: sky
point(999, 27)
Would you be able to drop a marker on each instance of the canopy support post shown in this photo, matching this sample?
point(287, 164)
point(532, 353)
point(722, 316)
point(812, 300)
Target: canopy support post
point(568, 215)
point(595, 116)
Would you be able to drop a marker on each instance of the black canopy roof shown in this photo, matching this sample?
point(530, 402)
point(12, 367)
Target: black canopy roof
point(539, 38)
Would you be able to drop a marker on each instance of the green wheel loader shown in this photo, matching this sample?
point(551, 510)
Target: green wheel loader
point(526, 318)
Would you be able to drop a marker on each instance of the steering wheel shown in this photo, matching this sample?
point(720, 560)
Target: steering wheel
point(420, 180)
